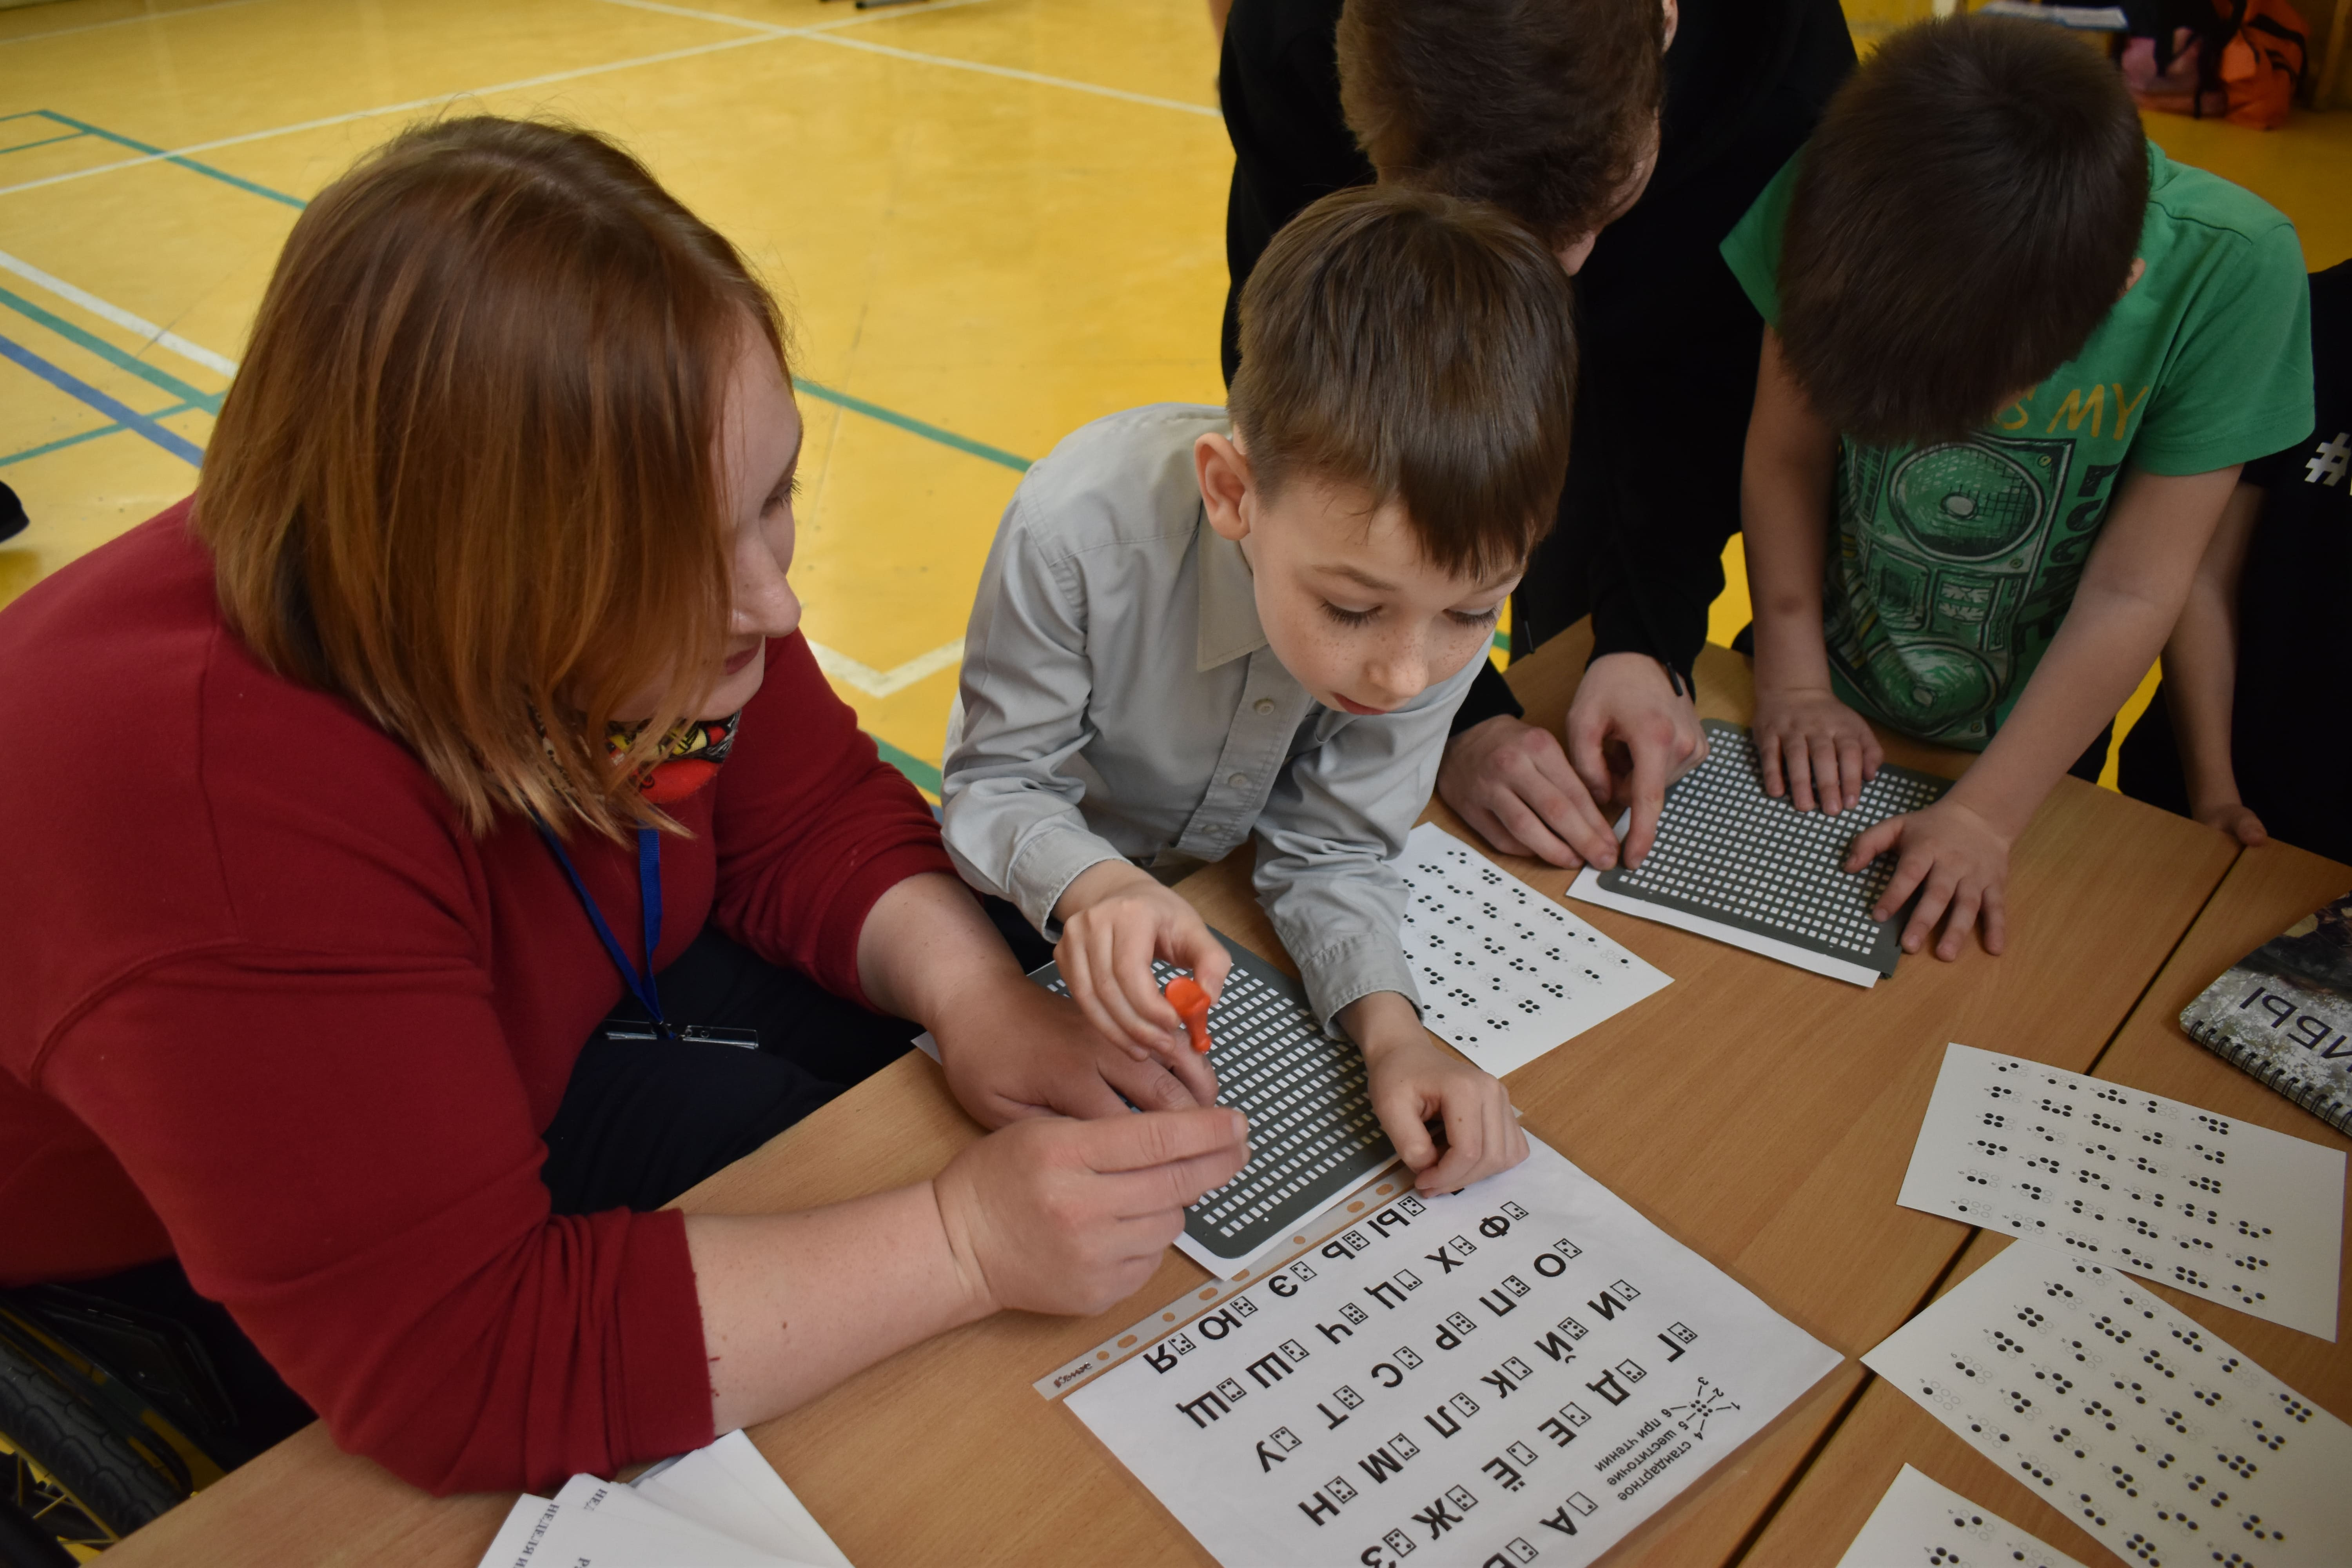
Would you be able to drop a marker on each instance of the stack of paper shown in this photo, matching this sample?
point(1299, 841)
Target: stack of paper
point(719, 1507)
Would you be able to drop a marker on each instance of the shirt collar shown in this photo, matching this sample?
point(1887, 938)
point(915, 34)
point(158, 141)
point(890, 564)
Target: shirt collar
point(1229, 624)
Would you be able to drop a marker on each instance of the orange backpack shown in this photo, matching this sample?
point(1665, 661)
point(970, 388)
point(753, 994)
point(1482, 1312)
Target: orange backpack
point(2239, 60)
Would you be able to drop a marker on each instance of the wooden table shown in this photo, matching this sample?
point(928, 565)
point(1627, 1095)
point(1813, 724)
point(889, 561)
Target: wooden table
point(2268, 889)
point(1761, 1114)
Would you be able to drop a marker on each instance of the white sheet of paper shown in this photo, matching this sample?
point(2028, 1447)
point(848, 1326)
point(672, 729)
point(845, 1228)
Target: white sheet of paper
point(614, 1505)
point(1382, 1395)
point(2190, 1198)
point(1919, 1524)
point(540, 1531)
point(731, 1487)
point(1588, 888)
point(2153, 1433)
point(1505, 972)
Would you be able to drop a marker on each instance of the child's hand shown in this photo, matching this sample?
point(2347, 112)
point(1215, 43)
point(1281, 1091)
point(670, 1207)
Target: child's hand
point(1115, 920)
point(1414, 1082)
point(2235, 820)
point(1961, 861)
point(1814, 747)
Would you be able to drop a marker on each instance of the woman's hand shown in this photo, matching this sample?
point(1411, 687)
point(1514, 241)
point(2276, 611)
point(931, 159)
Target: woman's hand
point(1072, 1217)
point(1016, 1050)
point(1115, 919)
point(1957, 861)
point(1814, 748)
point(1414, 1082)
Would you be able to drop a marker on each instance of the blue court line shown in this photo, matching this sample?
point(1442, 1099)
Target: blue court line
point(122, 414)
point(965, 444)
point(137, 146)
point(209, 402)
point(45, 448)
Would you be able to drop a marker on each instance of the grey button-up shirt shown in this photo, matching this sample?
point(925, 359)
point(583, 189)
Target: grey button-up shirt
point(1120, 702)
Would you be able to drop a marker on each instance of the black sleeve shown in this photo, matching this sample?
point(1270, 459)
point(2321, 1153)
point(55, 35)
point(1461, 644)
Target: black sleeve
point(1670, 365)
point(1278, 83)
point(1489, 696)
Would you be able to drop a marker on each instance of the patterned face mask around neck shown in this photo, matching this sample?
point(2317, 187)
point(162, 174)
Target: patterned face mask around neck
point(687, 759)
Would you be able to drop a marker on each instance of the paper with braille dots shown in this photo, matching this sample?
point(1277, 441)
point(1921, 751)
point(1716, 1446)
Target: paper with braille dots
point(2153, 1433)
point(1505, 972)
point(1919, 1524)
point(2190, 1198)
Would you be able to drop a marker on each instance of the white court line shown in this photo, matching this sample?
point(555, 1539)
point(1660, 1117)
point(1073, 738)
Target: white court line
point(762, 32)
point(436, 101)
point(1007, 71)
point(822, 28)
point(195, 354)
point(886, 682)
point(777, 29)
point(125, 21)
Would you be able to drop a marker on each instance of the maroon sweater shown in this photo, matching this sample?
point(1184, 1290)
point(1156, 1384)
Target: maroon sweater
point(267, 1005)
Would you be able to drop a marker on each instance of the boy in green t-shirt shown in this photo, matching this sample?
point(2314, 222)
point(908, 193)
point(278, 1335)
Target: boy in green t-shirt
point(2014, 357)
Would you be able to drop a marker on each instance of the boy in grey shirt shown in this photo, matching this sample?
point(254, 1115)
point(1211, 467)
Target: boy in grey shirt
point(1192, 628)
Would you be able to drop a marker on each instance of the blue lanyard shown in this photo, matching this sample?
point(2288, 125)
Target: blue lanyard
point(641, 987)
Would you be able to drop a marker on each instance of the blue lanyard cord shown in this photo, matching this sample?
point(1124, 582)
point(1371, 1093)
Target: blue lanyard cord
point(641, 985)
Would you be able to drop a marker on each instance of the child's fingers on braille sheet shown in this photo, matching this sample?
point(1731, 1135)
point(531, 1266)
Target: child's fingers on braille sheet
point(1822, 753)
point(1120, 993)
point(1073, 957)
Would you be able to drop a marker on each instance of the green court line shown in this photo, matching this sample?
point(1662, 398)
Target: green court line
point(45, 448)
point(856, 404)
point(43, 142)
point(919, 773)
point(965, 444)
point(206, 169)
point(209, 402)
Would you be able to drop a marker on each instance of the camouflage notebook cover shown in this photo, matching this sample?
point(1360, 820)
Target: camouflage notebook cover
point(2283, 1013)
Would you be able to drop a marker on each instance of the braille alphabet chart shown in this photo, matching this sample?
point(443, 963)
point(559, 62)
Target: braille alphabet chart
point(1919, 1524)
point(2205, 1202)
point(1505, 972)
point(2153, 1433)
point(1733, 863)
point(1523, 1370)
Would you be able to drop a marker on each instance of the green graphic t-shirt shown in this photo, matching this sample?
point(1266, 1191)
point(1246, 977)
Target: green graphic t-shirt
point(1953, 563)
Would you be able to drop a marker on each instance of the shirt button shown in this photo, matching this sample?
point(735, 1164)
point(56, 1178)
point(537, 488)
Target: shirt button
point(1266, 704)
point(1238, 780)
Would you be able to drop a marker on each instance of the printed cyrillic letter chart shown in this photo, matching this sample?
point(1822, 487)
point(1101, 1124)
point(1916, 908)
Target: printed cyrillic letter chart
point(1525, 1370)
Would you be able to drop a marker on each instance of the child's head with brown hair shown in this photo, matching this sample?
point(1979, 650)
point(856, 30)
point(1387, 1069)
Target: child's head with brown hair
point(1968, 213)
point(1549, 109)
point(474, 472)
point(1400, 428)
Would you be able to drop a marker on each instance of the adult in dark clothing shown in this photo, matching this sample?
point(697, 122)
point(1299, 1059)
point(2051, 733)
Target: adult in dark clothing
point(2238, 736)
point(1668, 340)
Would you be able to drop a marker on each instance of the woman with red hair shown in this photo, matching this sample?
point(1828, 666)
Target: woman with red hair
point(439, 804)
